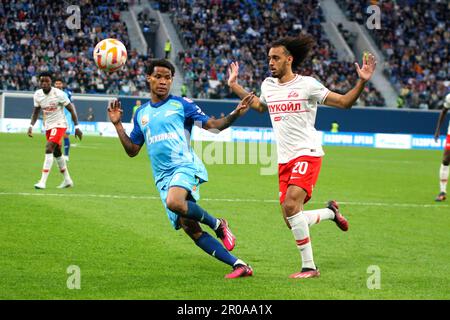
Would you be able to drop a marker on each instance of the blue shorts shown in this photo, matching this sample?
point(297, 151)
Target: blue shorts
point(182, 178)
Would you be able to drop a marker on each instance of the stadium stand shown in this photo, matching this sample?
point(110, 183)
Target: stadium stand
point(220, 31)
point(35, 38)
point(415, 39)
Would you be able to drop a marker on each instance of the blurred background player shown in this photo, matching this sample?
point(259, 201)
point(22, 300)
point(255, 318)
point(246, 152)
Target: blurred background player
point(334, 127)
point(90, 115)
point(164, 124)
point(167, 49)
point(70, 126)
point(291, 100)
point(52, 101)
point(135, 107)
point(443, 171)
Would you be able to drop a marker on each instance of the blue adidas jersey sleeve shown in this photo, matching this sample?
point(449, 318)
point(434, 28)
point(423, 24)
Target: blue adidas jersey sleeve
point(137, 136)
point(193, 113)
point(68, 94)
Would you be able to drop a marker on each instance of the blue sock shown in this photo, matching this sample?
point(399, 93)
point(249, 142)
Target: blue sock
point(213, 247)
point(66, 146)
point(195, 212)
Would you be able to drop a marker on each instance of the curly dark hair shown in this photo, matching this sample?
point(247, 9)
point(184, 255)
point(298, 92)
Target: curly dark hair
point(298, 47)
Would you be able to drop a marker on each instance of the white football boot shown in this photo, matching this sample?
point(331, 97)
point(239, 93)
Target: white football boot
point(39, 185)
point(65, 184)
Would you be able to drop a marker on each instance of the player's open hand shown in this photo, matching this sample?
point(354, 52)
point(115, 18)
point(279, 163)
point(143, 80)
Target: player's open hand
point(115, 111)
point(78, 133)
point(233, 72)
point(245, 103)
point(368, 67)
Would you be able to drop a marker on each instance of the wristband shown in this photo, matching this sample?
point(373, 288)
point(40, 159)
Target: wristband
point(31, 126)
point(77, 127)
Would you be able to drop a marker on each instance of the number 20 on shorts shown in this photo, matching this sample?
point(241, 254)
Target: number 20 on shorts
point(300, 167)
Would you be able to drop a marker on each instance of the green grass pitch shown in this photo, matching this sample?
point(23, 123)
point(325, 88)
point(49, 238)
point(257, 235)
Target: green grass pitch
point(113, 227)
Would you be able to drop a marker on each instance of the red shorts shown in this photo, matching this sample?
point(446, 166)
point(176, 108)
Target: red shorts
point(302, 171)
point(55, 135)
point(447, 142)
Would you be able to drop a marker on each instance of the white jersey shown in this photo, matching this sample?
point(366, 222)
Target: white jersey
point(52, 105)
point(447, 106)
point(293, 108)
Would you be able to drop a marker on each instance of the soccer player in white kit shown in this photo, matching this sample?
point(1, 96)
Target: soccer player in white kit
point(443, 170)
point(52, 101)
point(291, 100)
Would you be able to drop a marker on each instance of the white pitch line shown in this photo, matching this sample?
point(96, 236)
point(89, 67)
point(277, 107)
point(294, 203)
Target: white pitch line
point(113, 196)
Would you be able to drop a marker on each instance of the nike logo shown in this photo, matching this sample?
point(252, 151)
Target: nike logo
point(170, 112)
point(213, 253)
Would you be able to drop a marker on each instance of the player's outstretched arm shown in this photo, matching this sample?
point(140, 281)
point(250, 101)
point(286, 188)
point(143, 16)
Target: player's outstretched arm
point(233, 73)
point(225, 122)
point(347, 100)
point(439, 123)
point(115, 115)
point(34, 117)
point(74, 115)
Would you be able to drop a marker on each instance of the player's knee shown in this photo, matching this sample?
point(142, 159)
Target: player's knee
point(49, 148)
point(57, 152)
point(176, 205)
point(290, 207)
point(446, 160)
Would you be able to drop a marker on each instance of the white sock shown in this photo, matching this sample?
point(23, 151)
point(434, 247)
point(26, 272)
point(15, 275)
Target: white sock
point(315, 216)
point(46, 167)
point(239, 261)
point(443, 178)
point(63, 167)
point(300, 230)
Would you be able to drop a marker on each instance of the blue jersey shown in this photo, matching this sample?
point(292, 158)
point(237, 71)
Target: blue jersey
point(165, 127)
point(70, 124)
point(68, 93)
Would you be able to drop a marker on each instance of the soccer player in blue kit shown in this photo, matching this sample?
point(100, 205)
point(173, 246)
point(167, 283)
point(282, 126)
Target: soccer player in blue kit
point(164, 124)
point(70, 126)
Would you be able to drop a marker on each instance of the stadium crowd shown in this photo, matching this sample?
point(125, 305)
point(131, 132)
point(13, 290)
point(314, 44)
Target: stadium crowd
point(220, 31)
point(415, 40)
point(34, 37)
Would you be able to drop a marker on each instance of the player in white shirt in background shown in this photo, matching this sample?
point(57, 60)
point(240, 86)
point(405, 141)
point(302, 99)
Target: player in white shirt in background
point(443, 170)
point(291, 100)
point(52, 101)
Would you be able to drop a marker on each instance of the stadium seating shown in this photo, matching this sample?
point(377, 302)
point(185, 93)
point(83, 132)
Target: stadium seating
point(220, 31)
point(36, 38)
point(415, 40)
